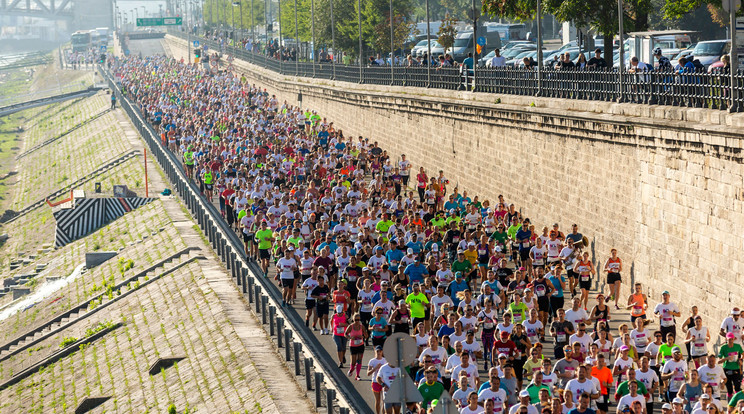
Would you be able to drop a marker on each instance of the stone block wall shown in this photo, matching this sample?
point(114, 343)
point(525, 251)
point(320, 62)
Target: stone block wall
point(662, 185)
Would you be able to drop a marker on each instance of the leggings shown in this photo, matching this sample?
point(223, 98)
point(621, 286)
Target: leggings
point(487, 339)
point(733, 381)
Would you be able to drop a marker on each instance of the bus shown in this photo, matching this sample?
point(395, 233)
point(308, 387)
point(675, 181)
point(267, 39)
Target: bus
point(81, 41)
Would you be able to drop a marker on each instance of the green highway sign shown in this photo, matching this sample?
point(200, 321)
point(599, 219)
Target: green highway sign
point(159, 21)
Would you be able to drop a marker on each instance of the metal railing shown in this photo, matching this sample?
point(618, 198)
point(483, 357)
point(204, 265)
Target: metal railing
point(302, 351)
point(697, 89)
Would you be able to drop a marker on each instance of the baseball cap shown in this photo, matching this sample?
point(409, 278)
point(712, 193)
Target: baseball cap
point(339, 308)
point(365, 269)
point(705, 397)
point(498, 249)
point(730, 335)
point(458, 274)
point(624, 348)
point(735, 311)
point(409, 251)
point(504, 333)
point(666, 292)
point(384, 283)
point(676, 349)
point(626, 407)
point(435, 248)
point(678, 400)
point(524, 393)
point(378, 348)
point(471, 244)
point(666, 406)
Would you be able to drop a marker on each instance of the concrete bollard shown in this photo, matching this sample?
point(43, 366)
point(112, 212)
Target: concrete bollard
point(309, 374)
point(287, 348)
point(318, 390)
point(330, 397)
point(297, 349)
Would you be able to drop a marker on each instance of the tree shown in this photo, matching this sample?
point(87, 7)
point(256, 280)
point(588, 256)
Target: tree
point(447, 32)
point(678, 9)
point(375, 24)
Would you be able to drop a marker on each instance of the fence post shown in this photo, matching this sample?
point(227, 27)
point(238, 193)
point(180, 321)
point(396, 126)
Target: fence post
point(279, 331)
point(330, 396)
point(297, 349)
point(264, 314)
point(308, 374)
point(272, 313)
point(244, 276)
point(287, 342)
point(249, 288)
point(318, 393)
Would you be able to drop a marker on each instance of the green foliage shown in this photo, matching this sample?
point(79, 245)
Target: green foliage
point(447, 32)
point(67, 341)
point(125, 265)
point(100, 326)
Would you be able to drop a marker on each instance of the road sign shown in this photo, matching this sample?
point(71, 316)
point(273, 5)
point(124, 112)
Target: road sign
point(412, 394)
point(196, 43)
point(103, 48)
point(445, 404)
point(407, 348)
point(159, 21)
point(727, 5)
point(482, 41)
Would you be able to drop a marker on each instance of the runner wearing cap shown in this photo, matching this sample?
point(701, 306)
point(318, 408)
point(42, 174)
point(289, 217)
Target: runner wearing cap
point(286, 267)
point(730, 354)
point(675, 372)
point(667, 311)
point(733, 324)
point(613, 266)
point(373, 367)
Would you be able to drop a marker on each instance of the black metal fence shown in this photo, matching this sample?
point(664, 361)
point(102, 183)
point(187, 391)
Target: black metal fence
point(697, 89)
point(303, 353)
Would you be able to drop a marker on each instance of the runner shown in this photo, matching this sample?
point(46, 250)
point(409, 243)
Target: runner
point(613, 266)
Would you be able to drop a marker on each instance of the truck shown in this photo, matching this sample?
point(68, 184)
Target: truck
point(103, 35)
point(81, 41)
point(464, 43)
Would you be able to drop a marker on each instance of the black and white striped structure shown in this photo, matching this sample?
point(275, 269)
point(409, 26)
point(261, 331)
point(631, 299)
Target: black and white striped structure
point(86, 215)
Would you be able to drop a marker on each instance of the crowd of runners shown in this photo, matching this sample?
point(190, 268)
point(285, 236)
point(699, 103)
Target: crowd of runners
point(499, 306)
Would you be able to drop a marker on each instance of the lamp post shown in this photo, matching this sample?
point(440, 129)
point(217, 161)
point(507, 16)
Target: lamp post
point(361, 58)
point(279, 21)
point(297, 42)
point(333, 41)
point(734, 57)
point(475, 45)
point(621, 51)
point(539, 47)
point(312, 31)
point(253, 27)
point(428, 47)
point(239, 4)
point(392, 50)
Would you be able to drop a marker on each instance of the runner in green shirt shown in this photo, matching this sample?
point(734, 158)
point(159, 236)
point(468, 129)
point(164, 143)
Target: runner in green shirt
point(730, 354)
point(518, 309)
point(461, 265)
point(430, 389)
point(665, 350)
point(264, 237)
point(384, 225)
point(418, 302)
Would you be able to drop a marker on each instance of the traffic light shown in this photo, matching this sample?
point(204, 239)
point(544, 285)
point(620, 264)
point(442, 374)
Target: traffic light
point(197, 53)
point(102, 58)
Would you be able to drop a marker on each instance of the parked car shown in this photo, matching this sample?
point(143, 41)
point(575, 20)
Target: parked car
point(711, 51)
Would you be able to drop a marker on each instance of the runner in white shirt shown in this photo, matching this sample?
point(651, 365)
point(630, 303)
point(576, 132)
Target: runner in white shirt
point(734, 324)
point(286, 266)
point(582, 384)
point(713, 374)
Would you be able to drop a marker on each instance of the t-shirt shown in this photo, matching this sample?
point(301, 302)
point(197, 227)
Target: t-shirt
point(713, 376)
point(730, 355)
point(418, 303)
point(563, 366)
point(736, 398)
point(577, 388)
point(604, 376)
point(430, 391)
point(665, 313)
point(576, 411)
point(263, 237)
point(286, 267)
point(471, 371)
point(647, 379)
point(629, 400)
point(309, 284)
point(678, 368)
point(498, 397)
point(735, 326)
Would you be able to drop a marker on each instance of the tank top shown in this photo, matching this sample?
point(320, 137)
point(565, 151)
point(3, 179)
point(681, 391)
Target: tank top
point(357, 336)
point(638, 306)
point(601, 315)
point(403, 322)
point(584, 269)
point(692, 394)
point(614, 265)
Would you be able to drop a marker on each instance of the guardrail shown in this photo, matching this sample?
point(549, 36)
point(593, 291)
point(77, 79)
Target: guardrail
point(696, 89)
point(303, 353)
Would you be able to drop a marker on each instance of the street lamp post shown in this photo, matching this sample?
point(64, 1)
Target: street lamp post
point(392, 50)
point(428, 47)
point(253, 27)
point(232, 14)
point(621, 51)
point(475, 45)
point(539, 47)
point(359, 17)
point(312, 31)
point(297, 42)
point(279, 20)
point(333, 41)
